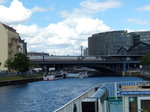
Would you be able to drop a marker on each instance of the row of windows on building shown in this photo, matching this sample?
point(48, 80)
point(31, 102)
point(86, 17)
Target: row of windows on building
point(10, 44)
point(110, 43)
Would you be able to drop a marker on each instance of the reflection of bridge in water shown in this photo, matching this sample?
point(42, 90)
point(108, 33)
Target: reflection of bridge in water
point(107, 64)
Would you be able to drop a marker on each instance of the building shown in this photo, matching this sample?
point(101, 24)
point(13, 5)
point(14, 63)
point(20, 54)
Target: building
point(9, 44)
point(23, 46)
point(140, 48)
point(86, 52)
point(31, 54)
point(110, 43)
point(143, 36)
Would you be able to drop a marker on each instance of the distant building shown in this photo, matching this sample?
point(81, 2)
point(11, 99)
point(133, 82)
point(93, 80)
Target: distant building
point(108, 43)
point(31, 54)
point(123, 50)
point(115, 42)
point(86, 52)
point(23, 46)
point(140, 48)
point(143, 36)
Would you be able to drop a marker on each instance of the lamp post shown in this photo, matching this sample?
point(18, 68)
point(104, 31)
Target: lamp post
point(81, 49)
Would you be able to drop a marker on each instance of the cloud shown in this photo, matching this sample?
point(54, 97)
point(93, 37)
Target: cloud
point(64, 37)
point(1, 1)
point(96, 6)
point(89, 7)
point(138, 21)
point(38, 9)
point(16, 12)
point(144, 8)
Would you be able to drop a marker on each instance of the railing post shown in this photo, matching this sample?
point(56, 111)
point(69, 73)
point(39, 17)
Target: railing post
point(115, 90)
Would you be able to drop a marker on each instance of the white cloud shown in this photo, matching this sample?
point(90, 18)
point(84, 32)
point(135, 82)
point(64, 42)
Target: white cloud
point(63, 38)
point(1, 1)
point(144, 8)
point(89, 7)
point(96, 6)
point(139, 21)
point(38, 9)
point(16, 12)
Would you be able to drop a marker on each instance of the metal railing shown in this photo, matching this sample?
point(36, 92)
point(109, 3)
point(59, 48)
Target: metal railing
point(113, 89)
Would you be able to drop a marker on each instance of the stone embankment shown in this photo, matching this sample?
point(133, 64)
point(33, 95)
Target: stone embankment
point(22, 81)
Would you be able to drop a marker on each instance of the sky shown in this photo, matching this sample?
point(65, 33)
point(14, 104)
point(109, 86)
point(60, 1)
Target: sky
point(61, 27)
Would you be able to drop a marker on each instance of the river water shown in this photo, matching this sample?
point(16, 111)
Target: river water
point(47, 96)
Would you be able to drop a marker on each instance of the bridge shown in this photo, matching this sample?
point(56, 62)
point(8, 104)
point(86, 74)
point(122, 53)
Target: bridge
point(102, 64)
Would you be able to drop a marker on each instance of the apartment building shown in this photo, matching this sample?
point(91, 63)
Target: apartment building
point(9, 44)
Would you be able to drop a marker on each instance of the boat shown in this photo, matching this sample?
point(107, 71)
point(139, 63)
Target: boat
point(51, 78)
point(54, 75)
point(130, 96)
point(82, 74)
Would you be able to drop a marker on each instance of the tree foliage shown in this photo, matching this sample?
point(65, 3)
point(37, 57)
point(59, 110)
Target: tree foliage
point(9, 64)
point(20, 63)
point(145, 60)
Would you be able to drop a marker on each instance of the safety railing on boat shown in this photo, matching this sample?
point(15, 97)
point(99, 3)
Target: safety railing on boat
point(113, 89)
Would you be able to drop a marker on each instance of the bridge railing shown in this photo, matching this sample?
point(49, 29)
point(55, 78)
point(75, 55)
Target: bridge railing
point(113, 89)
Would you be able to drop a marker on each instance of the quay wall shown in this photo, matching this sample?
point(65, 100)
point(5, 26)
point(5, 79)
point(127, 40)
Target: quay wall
point(23, 81)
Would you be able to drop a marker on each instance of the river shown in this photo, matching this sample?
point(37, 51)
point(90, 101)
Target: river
point(46, 96)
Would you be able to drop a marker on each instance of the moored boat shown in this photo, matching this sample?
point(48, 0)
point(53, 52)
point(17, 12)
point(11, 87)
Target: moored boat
point(51, 78)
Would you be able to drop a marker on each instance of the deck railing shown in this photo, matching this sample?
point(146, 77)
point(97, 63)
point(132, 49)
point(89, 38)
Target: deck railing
point(113, 89)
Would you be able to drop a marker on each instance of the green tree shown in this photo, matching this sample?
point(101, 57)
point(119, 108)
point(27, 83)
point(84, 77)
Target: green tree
point(21, 62)
point(145, 60)
point(9, 64)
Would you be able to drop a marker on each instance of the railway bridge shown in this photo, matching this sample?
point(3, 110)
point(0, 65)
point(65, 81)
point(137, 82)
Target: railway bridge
point(102, 64)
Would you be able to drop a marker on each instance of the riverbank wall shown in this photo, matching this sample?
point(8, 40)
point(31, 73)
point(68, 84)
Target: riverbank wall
point(23, 81)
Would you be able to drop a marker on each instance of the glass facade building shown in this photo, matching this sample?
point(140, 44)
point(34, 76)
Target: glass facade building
point(108, 43)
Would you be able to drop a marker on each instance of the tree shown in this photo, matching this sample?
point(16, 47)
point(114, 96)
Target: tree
point(145, 60)
point(9, 64)
point(20, 62)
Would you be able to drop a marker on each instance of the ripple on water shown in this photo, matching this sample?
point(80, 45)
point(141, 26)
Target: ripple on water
point(46, 96)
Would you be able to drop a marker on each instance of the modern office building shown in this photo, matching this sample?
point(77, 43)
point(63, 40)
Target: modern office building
point(9, 44)
point(108, 43)
point(143, 36)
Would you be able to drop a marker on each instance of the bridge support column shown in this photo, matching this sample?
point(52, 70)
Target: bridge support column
point(124, 69)
point(47, 70)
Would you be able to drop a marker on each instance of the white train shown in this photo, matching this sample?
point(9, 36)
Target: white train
point(65, 58)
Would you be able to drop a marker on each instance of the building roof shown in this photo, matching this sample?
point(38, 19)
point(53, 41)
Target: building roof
point(123, 47)
point(141, 42)
point(8, 27)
